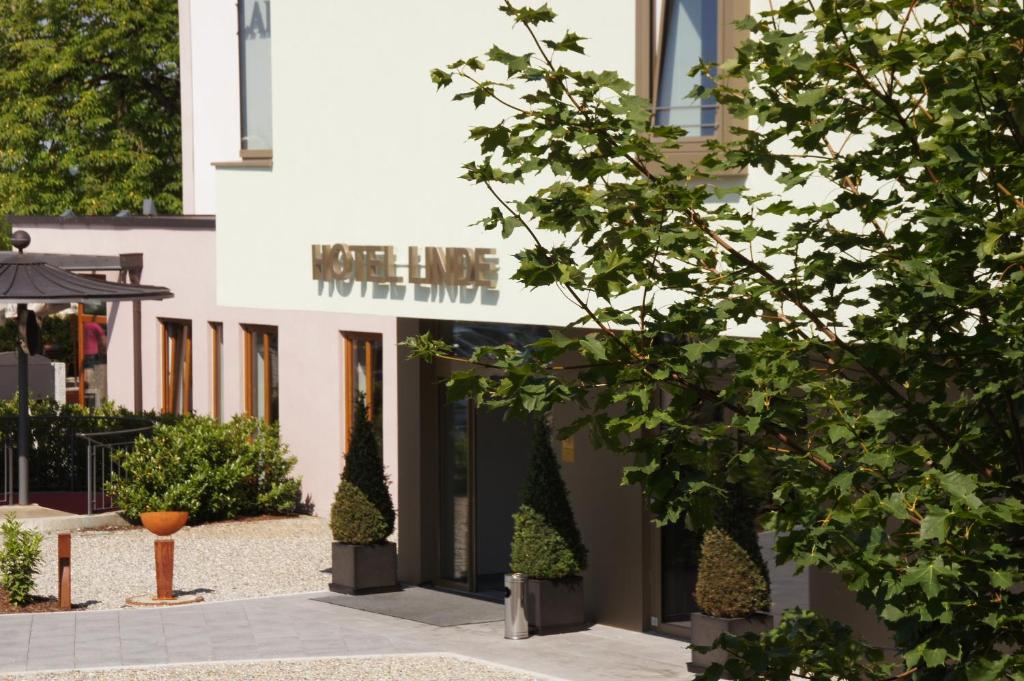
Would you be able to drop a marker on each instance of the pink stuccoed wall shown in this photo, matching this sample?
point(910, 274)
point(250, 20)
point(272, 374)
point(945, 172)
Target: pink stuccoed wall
point(309, 343)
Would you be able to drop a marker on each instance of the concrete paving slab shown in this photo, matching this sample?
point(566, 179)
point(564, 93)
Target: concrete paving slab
point(300, 626)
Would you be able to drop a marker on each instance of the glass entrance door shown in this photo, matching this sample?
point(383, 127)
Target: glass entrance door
point(456, 529)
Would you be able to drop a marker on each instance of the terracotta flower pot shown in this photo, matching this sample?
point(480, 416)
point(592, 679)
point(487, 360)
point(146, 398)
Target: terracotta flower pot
point(164, 523)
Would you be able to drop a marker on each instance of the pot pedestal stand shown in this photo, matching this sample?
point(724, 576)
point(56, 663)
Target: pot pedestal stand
point(163, 553)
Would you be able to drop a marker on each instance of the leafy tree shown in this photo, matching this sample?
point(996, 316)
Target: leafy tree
point(89, 106)
point(858, 311)
point(546, 542)
point(363, 512)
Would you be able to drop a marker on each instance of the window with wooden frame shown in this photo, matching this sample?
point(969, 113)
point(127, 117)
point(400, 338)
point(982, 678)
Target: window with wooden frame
point(363, 374)
point(176, 366)
point(260, 372)
point(217, 370)
point(673, 36)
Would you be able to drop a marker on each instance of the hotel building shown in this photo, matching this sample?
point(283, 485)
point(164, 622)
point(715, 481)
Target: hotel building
point(326, 221)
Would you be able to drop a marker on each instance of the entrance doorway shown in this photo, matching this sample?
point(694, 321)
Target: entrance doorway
point(483, 461)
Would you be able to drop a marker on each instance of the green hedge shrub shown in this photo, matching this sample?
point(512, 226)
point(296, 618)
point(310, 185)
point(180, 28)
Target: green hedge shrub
point(213, 470)
point(729, 583)
point(362, 512)
point(19, 560)
point(546, 543)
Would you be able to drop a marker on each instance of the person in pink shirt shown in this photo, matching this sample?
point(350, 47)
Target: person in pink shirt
point(94, 361)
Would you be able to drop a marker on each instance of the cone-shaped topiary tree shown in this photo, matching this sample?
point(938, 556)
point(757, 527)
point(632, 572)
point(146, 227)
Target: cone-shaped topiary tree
point(363, 512)
point(546, 543)
point(737, 517)
point(729, 584)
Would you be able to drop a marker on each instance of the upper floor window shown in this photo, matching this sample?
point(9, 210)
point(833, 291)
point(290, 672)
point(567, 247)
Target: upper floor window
point(689, 35)
point(254, 81)
point(673, 36)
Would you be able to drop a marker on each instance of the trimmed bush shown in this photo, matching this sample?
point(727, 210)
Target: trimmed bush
point(354, 518)
point(19, 560)
point(729, 583)
point(737, 517)
point(546, 543)
point(362, 512)
point(213, 470)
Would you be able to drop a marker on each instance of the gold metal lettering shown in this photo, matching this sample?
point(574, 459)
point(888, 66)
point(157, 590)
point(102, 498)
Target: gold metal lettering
point(321, 270)
point(414, 267)
point(460, 266)
point(435, 265)
point(439, 266)
point(485, 268)
point(390, 273)
point(341, 265)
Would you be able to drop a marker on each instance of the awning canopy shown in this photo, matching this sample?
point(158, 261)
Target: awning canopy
point(71, 262)
point(30, 279)
point(36, 278)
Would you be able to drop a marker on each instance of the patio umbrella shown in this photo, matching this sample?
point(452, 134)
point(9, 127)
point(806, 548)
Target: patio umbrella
point(27, 279)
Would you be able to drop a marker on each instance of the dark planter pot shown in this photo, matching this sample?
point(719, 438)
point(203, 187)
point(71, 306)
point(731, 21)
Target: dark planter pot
point(553, 605)
point(705, 630)
point(363, 569)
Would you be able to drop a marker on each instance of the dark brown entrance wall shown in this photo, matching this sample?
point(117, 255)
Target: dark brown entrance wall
point(611, 517)
point(613, 523)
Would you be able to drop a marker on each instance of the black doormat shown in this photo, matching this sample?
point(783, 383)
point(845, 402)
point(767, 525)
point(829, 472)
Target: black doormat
point(439, 608)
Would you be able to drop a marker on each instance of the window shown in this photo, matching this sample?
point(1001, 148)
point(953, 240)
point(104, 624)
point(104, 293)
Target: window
point(673, 36)
point(254, 77)
point(364, 374)
point(176, 366)
point(260, 372)
point(217, 370)
point(90, 379)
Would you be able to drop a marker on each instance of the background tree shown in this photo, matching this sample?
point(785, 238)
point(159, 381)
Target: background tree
point(860, 319)
point(89, 106)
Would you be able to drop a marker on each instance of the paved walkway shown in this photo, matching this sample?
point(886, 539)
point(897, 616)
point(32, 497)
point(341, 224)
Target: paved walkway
point(298, 626)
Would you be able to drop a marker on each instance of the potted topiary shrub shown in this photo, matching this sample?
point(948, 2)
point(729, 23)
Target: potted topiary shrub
point(546, 544)
point(363, 517)
point(732, 594)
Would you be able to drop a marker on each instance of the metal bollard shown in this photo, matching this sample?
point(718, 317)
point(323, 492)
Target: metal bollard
point(516, 626)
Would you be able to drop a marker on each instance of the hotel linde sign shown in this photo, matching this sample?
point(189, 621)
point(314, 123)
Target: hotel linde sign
point(376, 264)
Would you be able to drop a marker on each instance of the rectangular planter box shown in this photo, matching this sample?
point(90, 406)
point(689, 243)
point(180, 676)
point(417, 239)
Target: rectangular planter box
point(554, 605)
point(705, 630)
point(361, 569)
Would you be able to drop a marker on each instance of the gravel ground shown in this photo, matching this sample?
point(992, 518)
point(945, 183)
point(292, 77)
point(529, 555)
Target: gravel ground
point(222, 561)
point(387, 668)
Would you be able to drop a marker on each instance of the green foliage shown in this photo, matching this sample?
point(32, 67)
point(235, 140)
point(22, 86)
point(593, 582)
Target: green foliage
point(874, 263)
point(213, 470)
point(804, 641)
point(19, 559)
point(57, 457)
point(55, 332)
point(546, 543)
point(729, 583)
point(89, 106)
point(355, 519)
point(363, 512)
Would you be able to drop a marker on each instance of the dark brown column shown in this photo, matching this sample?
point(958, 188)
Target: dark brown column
point(131, 264)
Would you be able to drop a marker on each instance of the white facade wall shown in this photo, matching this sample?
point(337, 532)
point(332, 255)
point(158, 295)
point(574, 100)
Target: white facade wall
point(367, 152)
point(210, 110)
